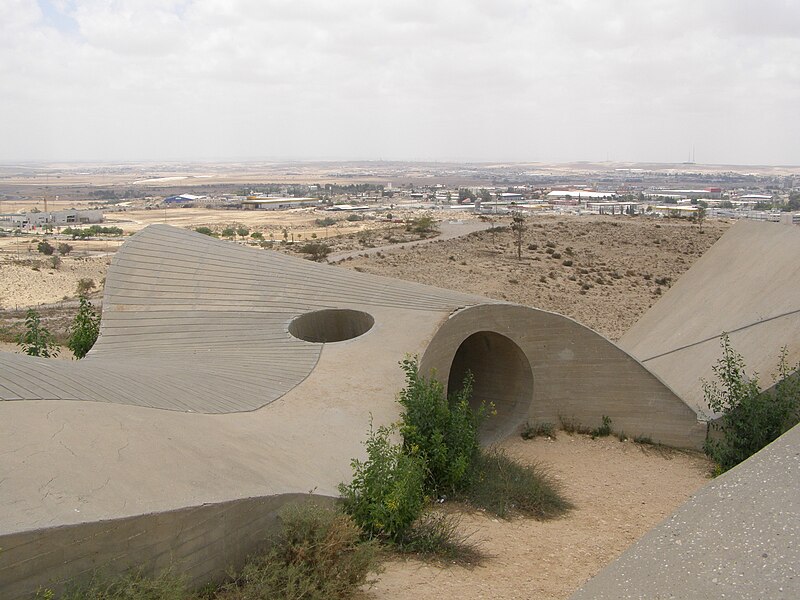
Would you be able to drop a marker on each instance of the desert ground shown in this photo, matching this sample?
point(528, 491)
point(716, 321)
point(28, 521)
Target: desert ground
point(620, 490)
point(603, 271)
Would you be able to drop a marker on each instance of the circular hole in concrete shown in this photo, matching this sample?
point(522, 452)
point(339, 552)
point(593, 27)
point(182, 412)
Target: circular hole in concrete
point(331, 325)
point(502, 376)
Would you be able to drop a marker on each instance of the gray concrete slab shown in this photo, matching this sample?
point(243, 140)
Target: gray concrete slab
point(738, 537)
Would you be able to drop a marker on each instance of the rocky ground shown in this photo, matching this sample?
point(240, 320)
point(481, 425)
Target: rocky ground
point(605, 272)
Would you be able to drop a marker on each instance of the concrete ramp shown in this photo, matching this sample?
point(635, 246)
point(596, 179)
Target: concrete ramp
point(748, 285)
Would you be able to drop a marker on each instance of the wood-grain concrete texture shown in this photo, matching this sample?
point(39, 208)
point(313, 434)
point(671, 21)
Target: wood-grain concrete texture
point(735, 538)
point(748, 285)
point(197, 394)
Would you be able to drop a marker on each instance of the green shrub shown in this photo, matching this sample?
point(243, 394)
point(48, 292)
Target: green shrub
point(750, 419)
point(315, 250)
point(64, 248)
point(45, 248)
point(317, 555)
point(504, 487)
point(533, 430)
point(84, 329)
point(325, 222)
point(387, 492)
point(204, 230)
point(444, 432)
point(604, 430)
point(37, 340)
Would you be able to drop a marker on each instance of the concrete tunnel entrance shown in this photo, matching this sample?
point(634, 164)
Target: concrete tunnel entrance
point(502, 376)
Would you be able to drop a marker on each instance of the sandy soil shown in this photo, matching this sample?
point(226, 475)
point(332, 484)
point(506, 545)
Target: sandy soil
point(620, 266)
point(620, 490)
point(23, 286)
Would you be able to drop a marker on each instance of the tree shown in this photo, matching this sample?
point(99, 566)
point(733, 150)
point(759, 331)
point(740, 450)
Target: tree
point(518, 227)
point(45, 248)
point(316, 250)
point(242, 231)
point(37, 339)
point(64, 248)
point(228, 232)
point(84, 329)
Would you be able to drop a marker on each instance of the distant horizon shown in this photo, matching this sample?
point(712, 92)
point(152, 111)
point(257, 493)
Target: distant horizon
point(228, 161)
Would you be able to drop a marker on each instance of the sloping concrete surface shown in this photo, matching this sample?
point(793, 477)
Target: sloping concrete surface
point(738, 537)
point(196, 394)
point(748, 285)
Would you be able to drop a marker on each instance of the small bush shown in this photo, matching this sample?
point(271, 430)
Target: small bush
point(386, 494)
point(37, 340)
point(567, 263)
point(750, 419)
point(64, 248)
point(504, 487)
point(645, 440)
point(204, 230)
point(444, 432)
point(85, 285)
point(317, 555)
point(604, 430)
point(315, 250)
point(571, 425)
point(534, 430)
point(84, 329)
point(55, 261)
point(326, 222)
point(45, 248)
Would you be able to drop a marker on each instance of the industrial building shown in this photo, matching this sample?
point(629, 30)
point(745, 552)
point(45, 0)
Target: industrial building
point(60, 218)
point(256, 203)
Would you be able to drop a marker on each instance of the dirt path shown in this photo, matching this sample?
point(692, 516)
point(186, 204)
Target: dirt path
point(620, 490)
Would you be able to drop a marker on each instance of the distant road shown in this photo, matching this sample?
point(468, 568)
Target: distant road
point(448, 230)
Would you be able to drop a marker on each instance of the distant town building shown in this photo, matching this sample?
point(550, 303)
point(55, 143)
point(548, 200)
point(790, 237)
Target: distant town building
point(255, 203)
point(183, 199)
point(59, 218)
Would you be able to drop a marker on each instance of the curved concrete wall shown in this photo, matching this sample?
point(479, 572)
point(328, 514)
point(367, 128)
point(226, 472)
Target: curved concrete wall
point(577, 374)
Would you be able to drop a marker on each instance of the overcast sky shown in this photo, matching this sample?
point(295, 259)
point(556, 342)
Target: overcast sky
point(469, 80)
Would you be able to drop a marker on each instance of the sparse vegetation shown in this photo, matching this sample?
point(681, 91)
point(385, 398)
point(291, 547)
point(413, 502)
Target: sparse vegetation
point(605, 429)
point(506, 488)
point(84, 286)
point(538, 429)
point(749, 418)
point(37, 340)
point(44, 247)
point(84, 329)
point(315, 250)
point(204, 230)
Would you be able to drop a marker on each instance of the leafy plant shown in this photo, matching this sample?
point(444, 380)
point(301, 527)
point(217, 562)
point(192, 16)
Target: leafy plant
point(604, 430)
point(84, 329)
point(387, 493)
point(37, 340)
point(443, 431)
point(750, 419)
point(135, 585)
point(204, 230)
point(64, 248)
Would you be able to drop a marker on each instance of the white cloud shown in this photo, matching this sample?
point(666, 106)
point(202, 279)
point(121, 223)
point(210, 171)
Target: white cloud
point(474, 79)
